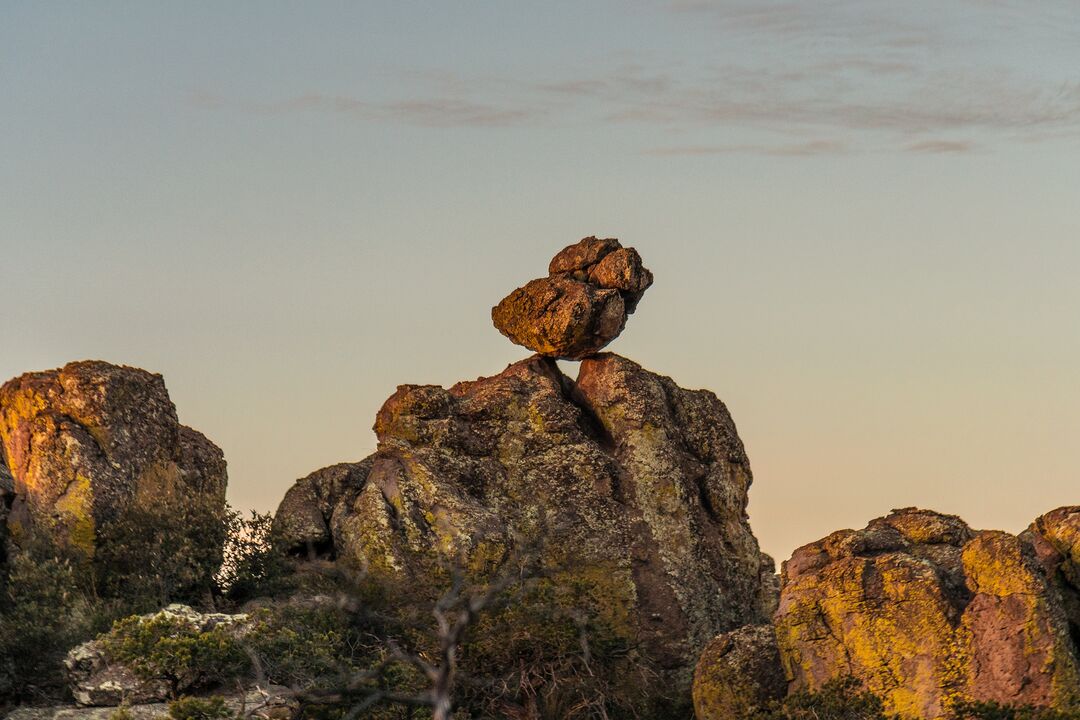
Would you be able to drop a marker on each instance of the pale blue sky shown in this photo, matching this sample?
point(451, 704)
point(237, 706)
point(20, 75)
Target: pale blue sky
point(862, 216)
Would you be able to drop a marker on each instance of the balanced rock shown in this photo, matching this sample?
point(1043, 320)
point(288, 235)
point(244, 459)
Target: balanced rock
point(581, 306)
point(632, 490)
point(925, 611)
point(85, 442)
point(738, 674)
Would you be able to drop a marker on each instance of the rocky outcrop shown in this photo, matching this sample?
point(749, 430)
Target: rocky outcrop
point(270, 703)
point(738, 673)
point(307, 513)
point(924, 611)
point(591, 288)
point(633, 490)
point(97, 679)
point(86, 442)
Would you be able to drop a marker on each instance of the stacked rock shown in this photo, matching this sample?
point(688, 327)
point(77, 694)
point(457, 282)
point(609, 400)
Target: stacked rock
point(581, 306)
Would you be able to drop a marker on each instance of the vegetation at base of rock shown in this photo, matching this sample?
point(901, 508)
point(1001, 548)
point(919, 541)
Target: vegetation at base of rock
point(997, 711)
point(840, 699)
point(121, 713)
point(254, 562)
point(168, 648)
point(52, 600)
point(164, 553)
point(200, 708)
point(44, 611)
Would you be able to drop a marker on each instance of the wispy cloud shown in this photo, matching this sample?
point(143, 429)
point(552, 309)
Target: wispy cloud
point(816, 147)
point(869, 73)
point(930, 147)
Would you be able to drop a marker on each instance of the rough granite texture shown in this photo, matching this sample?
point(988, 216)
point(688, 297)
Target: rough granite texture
point(86, 441)
point(924, 610)
point(738, 673)
point(591, 288)
point(638, 486)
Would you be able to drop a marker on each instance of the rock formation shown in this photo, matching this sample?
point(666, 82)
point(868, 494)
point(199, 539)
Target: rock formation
point(581, 306)
point(86, 442)
point(97, 679)
point(634, 488)
point(924, 611)
point(738, 673)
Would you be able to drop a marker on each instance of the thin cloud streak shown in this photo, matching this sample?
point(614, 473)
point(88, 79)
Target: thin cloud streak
point(817, 147)
point(930, 147)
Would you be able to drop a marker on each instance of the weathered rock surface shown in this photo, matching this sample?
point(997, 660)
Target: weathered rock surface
point(739, 672)
point(96, 680)
point(581, 306)
point(637, 487)
point(85, 442)
point(923, 610)
point(306, 514)
point(270, 703)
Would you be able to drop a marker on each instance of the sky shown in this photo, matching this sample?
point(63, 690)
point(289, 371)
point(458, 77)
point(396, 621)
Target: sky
point(863, 218)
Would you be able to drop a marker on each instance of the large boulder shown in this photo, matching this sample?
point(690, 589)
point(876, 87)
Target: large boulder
point(632, 490)
point(88, 441)
point(925, 611)
point(738, 674)
point(583, 303)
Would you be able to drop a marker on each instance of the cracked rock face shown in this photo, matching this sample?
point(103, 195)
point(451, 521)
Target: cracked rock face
point(924, 610)
point(638, 487)
point(85, 442)
point(591, 288)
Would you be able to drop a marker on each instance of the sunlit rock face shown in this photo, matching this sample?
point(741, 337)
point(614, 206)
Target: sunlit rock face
point(591, 288)
point(633, 490)
point(925, 611)
point(85, 442)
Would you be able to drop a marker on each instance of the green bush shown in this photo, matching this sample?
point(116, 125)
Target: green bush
point(169, 552)
point(255, 565)
point(995, 711)
point(199, 708)
point(306, 645)
point(169, 648)
point(840, 699)
point(45, 610)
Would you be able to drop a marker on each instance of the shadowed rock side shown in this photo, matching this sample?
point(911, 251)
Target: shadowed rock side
point(7, 496)
point(926, 611)
point(85, 442)
point(581, 306)
point(739, 672)
point(633, 489)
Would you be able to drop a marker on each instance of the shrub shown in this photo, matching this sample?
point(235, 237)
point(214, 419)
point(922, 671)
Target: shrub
point(306, 645)
point(152, 556)
point(169, 648)
point(44, 611)
point(255, 564)
point(840, 699)
point(995, 711)
point(197, 708)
